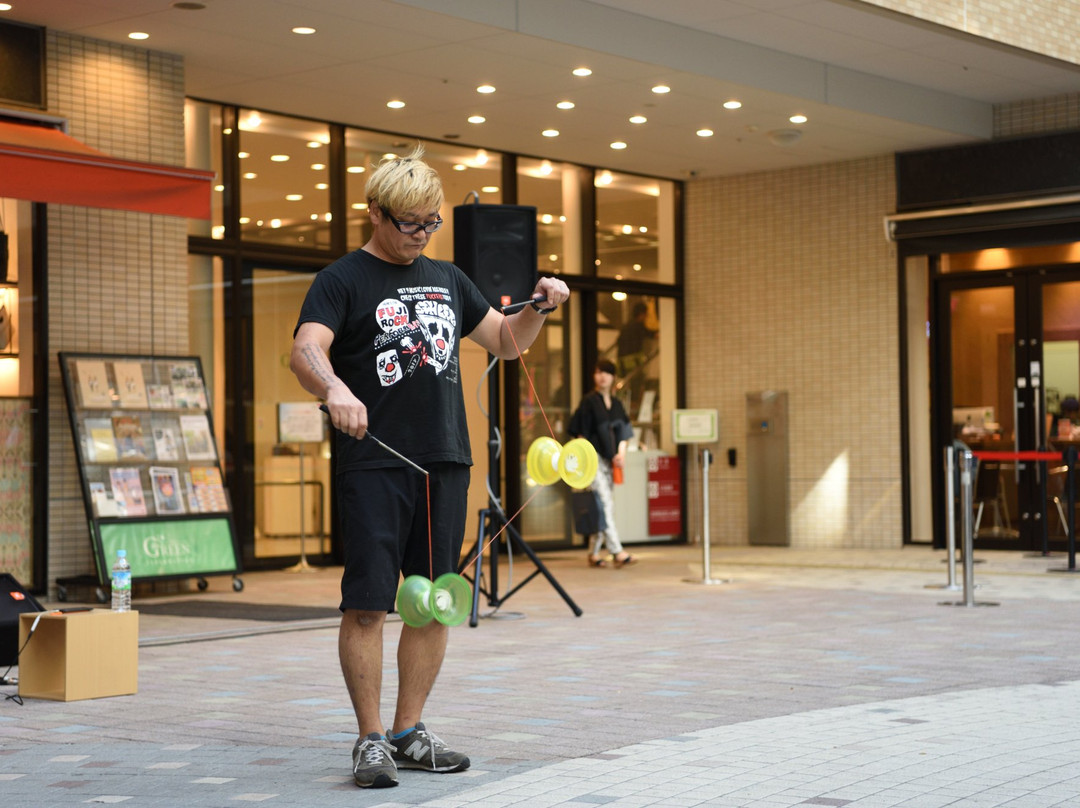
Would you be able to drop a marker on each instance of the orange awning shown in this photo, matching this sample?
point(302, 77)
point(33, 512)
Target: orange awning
point(45, 165)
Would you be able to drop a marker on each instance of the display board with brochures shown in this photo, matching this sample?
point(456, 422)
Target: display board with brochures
point(148, 461)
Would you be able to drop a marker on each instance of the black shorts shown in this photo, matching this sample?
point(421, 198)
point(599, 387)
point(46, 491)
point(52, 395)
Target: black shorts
point(384, 522)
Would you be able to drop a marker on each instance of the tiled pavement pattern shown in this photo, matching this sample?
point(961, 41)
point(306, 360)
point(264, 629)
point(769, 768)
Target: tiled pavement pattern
point(816, 678)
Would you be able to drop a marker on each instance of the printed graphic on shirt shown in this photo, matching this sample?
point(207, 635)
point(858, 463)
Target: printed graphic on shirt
point(416, 338)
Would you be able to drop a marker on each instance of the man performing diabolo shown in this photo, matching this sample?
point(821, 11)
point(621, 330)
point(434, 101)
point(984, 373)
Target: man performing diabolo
point(377, 340)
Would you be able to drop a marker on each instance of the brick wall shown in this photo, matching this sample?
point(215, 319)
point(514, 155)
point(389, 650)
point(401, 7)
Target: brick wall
point(791, 286)
point(117, 281)
point(1048, 27)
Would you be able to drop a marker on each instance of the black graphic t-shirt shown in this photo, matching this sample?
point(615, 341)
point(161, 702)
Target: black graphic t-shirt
point(396, 335)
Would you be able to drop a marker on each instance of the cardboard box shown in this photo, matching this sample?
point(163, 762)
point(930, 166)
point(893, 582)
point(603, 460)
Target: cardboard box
point(79, 655)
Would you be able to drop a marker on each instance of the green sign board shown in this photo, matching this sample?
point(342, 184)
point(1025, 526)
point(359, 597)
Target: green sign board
point(175, 547)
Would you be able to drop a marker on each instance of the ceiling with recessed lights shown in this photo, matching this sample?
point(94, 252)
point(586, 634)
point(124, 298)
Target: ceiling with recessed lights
point(676, 89)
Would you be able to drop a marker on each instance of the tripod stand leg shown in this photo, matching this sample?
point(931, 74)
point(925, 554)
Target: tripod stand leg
point(474, 618)
point(525, 548)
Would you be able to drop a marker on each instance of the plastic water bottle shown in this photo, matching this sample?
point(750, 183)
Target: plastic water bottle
point(121, 583)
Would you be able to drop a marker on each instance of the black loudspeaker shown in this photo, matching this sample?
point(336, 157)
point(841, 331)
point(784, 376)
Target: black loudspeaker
point(495, 245)
point(14, 600)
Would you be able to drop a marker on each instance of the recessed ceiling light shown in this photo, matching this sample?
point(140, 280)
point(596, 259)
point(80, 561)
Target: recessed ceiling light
point(250, 175)
point(279, 158)
point(395, 104)
point(294, 197)
point(797, 119)
point(704, 132)
point(565, 105)
point(660, 89)
point(275, 223)
point(303, 30)
point(477, 119)
point(355, 169)
point(245, 220)
point(582, 71)
point(618, 145)
point(243, 155)
point(460, 167)
point(5, 6)
point(321, 186)
point(490, 189)
point(359, 206)
point(314, 144)
point(138, 35)
point(485, 88)
point(546, 168)
point(318, 166)
point(550, 133)
point(605, 178)
point(627, 229)
point(733, 104)
point(638, 119)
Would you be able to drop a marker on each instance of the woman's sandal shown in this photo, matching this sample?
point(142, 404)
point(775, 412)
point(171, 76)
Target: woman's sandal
point(596, 562)
point(628, 559)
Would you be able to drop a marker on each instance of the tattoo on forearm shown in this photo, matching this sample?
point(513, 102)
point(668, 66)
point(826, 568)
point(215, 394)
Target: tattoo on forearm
point(317, 364)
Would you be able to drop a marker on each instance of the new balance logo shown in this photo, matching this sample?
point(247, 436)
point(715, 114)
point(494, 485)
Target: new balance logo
point(417, 750)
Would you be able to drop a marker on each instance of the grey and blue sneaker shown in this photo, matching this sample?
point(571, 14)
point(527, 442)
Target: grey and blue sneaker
point(373, 762)
point(422, 749)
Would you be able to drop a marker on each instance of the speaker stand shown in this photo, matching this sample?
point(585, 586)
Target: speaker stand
point(493, 520)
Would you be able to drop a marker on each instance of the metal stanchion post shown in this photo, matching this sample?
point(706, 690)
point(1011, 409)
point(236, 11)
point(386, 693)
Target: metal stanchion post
point(950, 517)
point(706, 578)
point(302, 565)
point(1070, 503)
point(966, 501)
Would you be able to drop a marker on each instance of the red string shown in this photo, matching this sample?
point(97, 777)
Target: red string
point(532, 387)
point(506, 524)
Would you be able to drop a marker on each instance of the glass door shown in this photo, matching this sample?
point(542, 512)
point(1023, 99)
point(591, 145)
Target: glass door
point(291, 481)
point(1008, 351)
point(1059, 303)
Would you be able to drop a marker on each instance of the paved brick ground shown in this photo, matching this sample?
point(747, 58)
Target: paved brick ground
point(826, 678)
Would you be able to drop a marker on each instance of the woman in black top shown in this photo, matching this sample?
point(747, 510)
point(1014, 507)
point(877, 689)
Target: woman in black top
point(601, 420)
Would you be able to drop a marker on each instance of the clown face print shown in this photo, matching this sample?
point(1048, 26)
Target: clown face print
point(389, 368)
point(438, 322)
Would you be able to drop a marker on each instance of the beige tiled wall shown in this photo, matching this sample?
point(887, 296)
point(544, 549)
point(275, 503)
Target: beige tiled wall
point(117, 281)
point(1049, 27)
point(791, 285)
point(1037, 115)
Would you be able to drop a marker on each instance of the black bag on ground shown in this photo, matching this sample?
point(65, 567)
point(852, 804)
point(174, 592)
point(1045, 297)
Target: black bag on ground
point(588, 513)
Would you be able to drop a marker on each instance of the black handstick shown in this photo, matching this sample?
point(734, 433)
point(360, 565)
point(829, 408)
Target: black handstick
point(394, 452)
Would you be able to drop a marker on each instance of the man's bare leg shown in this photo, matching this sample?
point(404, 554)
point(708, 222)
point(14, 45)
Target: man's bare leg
point(420, 656)
point(360, 649)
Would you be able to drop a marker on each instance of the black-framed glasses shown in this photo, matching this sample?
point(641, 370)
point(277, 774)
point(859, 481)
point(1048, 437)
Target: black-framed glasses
point(411, 228)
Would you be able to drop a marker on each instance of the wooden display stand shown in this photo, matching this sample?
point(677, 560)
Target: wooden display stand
point(79, 655)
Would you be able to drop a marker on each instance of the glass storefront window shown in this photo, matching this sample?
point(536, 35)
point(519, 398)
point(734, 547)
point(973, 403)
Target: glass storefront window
point(202, 139)
point(292, 480)
point(554, 190)
point(284, 180)
point(635, 237)
point(1009, 258)
point(17, 403)
point(463, 173)
point(206, 332)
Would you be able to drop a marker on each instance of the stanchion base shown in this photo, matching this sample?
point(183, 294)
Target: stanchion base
point(1063, 569)
point(947, 587)
point(303, 566)
point(707, 581)
point(962, 603)
point(1040, 554)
